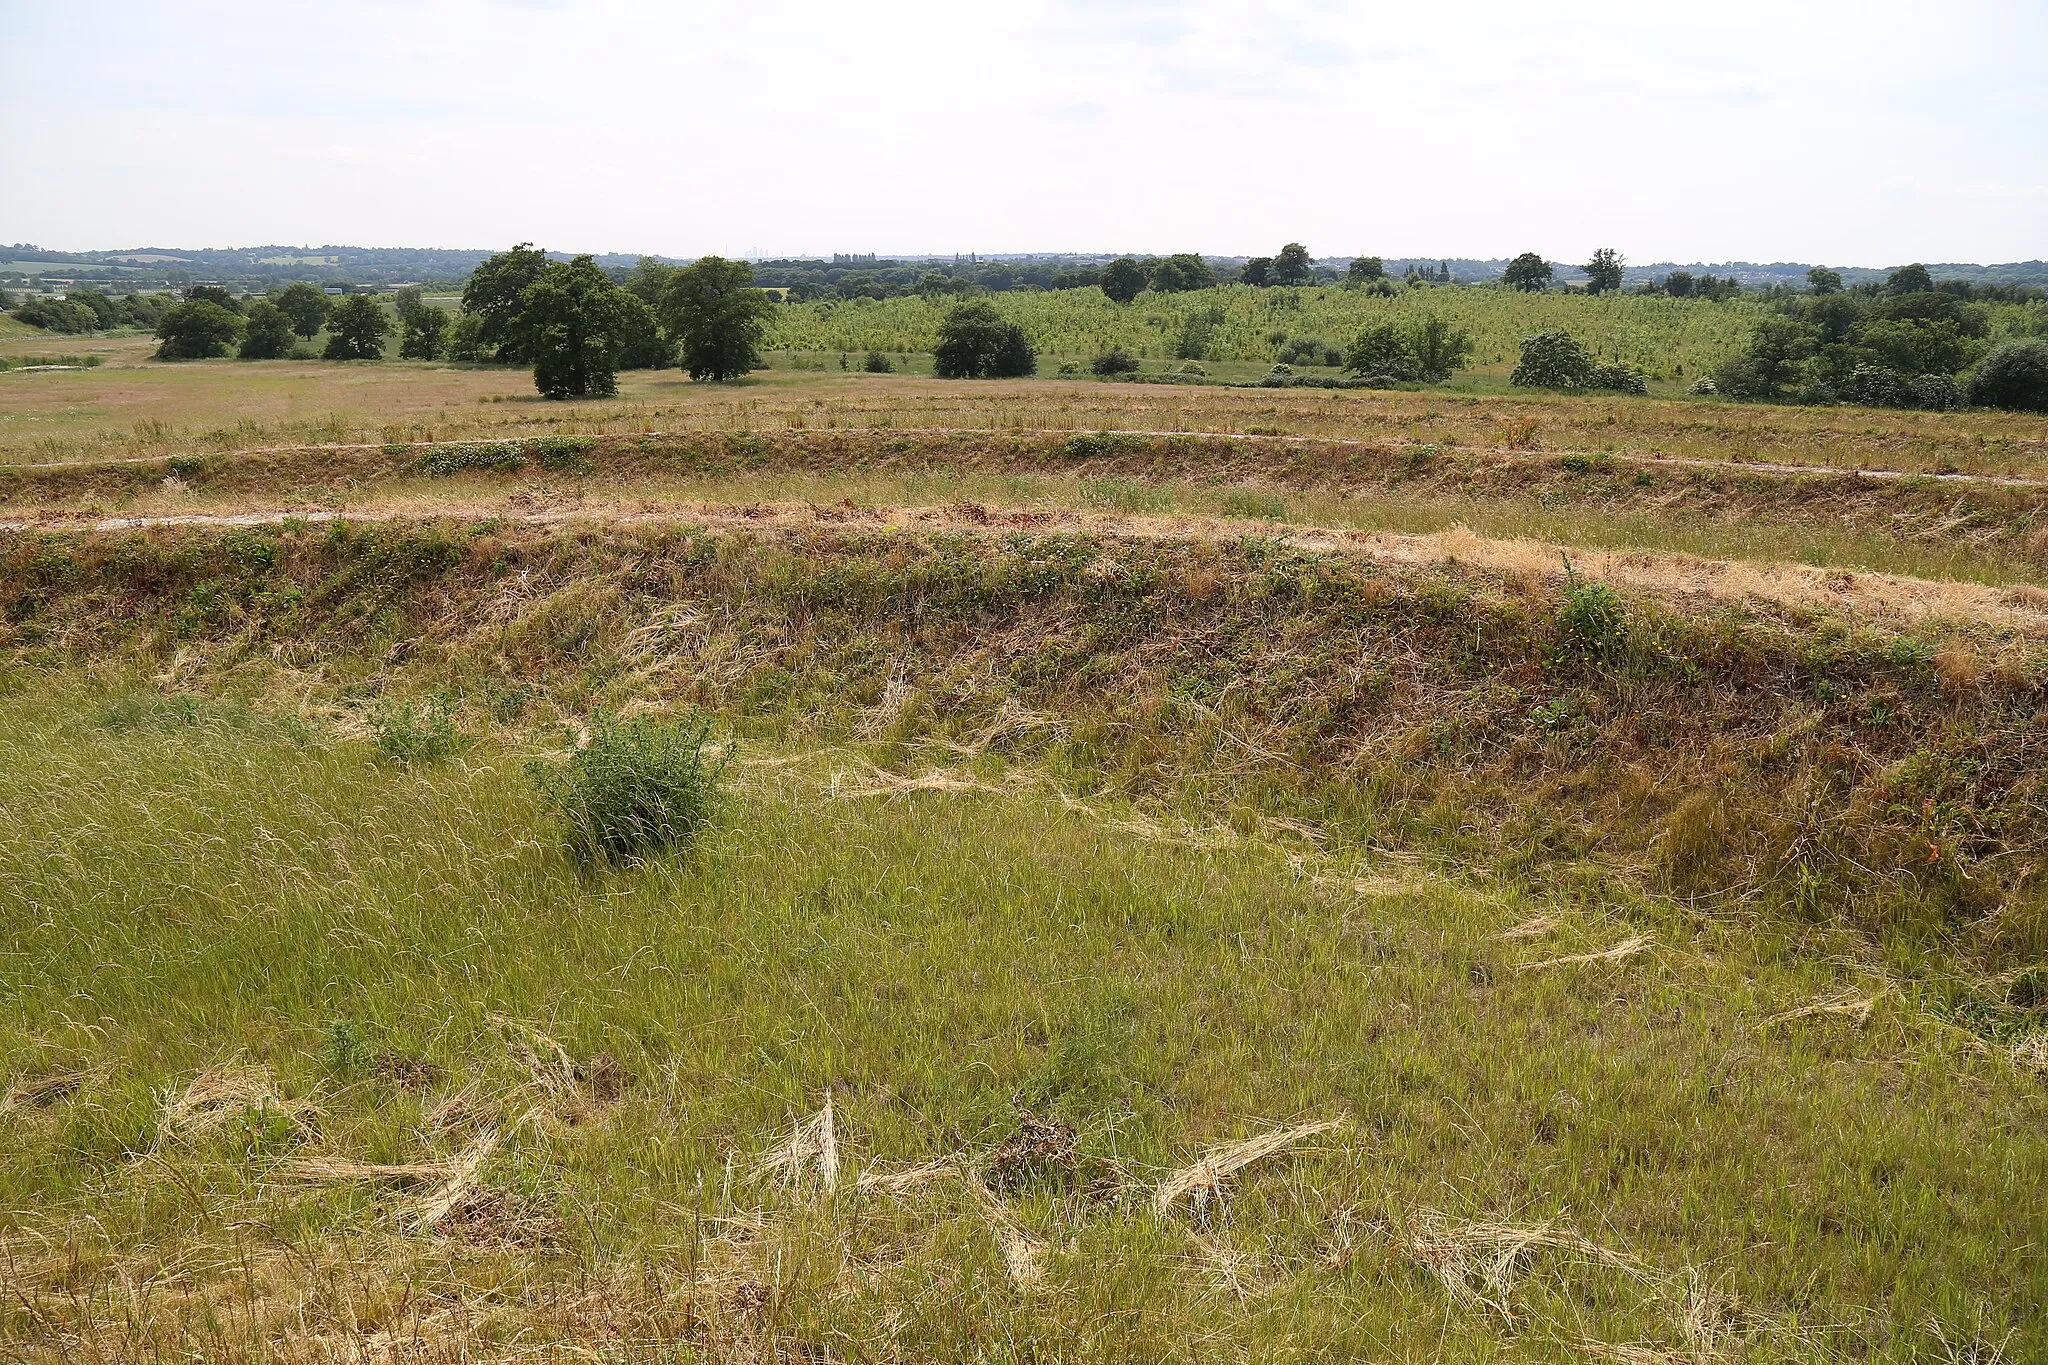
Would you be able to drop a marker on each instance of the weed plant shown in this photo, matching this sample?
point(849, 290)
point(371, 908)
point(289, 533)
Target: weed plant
point(635, 787)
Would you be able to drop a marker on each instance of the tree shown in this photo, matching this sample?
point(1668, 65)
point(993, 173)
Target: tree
point(2014, 375)
point(1909, 279)
point(574, 322)
point(1365, 270)
point(1181, 272)
point(644, 347)
point(1381, 350)
point(1257, 272)
point(306, 305)
point(1678, 284)
point(269, 335)
point(1123, 280)
point(1292, 265)
point(1439, 347)
point(197, 330)
point(1528, 272)
point(715, 313)
point(976, 343)
point(1821, 280)
point(215, 294)
point(1771, 362)
point(422, 333)
point(356, 329)
point(1603, 272)
point(649, 278)
point(57, 315)
point(104, 313)
point(493, 295)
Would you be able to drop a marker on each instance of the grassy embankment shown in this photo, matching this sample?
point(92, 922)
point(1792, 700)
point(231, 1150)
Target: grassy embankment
point(1221, 839)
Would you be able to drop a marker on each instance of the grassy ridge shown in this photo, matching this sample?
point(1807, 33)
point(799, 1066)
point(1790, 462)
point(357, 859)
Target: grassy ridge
point(1832, 767)
point(1929, 527)
point(364, 956)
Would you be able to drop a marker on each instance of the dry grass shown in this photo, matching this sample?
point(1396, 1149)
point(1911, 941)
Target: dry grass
point(1627, 948)
point(1202, 1183)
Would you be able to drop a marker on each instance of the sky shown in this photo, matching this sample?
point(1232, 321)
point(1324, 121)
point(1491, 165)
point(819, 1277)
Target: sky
point(1848, 132)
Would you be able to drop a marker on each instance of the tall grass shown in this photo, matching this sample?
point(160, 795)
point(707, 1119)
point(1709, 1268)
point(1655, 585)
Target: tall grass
point(416, 955)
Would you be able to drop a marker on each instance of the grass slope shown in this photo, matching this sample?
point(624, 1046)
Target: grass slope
point(1543, 1163)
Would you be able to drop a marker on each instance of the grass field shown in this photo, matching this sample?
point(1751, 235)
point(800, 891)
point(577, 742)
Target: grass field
point(1594, 869)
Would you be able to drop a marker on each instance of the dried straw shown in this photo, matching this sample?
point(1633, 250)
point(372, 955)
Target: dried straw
point(1641, 943)
point(1205, 1178)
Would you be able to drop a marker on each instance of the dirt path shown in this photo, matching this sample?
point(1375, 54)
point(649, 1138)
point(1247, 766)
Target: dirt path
point(1499, 452)
point(1889, 598)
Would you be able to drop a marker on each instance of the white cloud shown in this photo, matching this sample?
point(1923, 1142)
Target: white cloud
point(1823, 130)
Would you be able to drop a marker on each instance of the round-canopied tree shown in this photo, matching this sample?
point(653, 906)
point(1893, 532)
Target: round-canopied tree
point(1123, 280)
point(976, 343)
point(356, 329)
point(574, 322)
point(306, 305)
point(714, 312)
point(1292, 266)
point(1528, 272)
point(197, 330)
point(269, 335)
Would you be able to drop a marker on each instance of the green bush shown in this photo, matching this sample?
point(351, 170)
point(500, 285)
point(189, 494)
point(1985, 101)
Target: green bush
point(1114, 361)
point(414, 734)
point(637, 787)
point(2014, 375)
point(1553, 360)
point(975, 342)
point(1591, 621)
point(877, 363)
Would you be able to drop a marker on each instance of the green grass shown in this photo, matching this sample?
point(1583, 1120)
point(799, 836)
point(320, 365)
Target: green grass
point(187, 885)
point(1669, 338)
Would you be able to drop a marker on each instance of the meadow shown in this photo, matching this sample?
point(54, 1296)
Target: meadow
point(1669, 339)
point(1203, 873)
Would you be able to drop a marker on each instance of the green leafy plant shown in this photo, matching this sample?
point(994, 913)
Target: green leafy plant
point(1592, 622)
point(635, 788)
point(413, 734)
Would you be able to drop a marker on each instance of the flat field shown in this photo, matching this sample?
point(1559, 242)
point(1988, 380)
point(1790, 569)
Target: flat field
point(1203, 873)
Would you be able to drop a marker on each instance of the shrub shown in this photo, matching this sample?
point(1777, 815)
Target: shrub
point(1115, 360)
point(1874, 386)
point(2014, 375)
point(1553, 360)
point(412, 734)
point(1381, 349)
point(877, 363)
point(1309, 351)
point(1936, 392)
point(1618, 378)
point(1591, 621)
point(976, 343)
point(637, 787)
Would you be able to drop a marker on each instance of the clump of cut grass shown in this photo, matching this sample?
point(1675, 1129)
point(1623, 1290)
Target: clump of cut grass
point(635, 788)
point(413, 734)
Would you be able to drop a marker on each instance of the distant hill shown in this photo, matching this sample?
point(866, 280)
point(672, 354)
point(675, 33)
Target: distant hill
point(259, 267)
